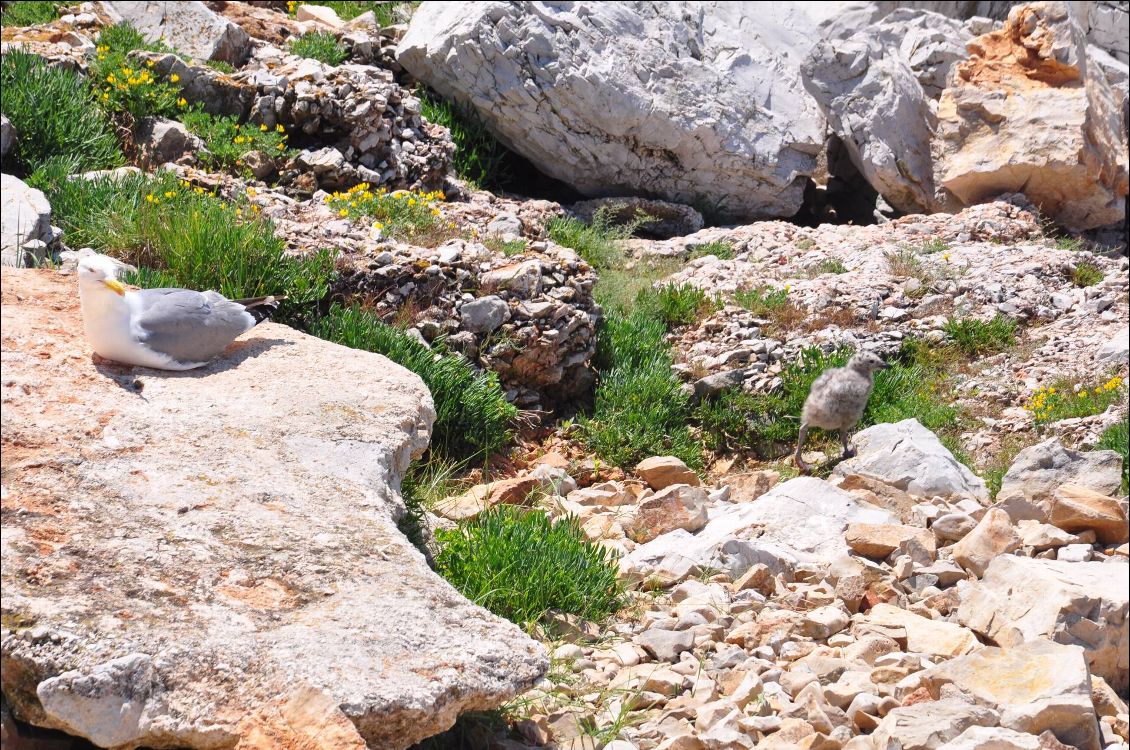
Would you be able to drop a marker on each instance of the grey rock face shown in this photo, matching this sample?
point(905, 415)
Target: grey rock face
point(236, 571)
point(189, 27)
point(1039, 470)
point(25, 223)
point(484, 314)
point(7, 135)
point(162, 140)
point(907, 455)
point(694, 102)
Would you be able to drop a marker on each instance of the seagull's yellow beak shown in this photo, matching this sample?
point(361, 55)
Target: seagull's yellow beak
point(117, 286)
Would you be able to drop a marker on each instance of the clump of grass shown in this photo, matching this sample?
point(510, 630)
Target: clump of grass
point(598, 242)
point(675, 304)
point(55, 117)
point(1117, 438)
point(509, 248)
point(221, 65)
point(978, 337)
point(936, 245)
point(473, 418)
point(184, 237)
point(404, 215)
point(387, 13)
point(829, 265)
point(805, 243)
point(322, 46)
point(1071, 244)
point(28, 13)
point(719, 249)
point(762, 301)
point(904, 263)
point(427, 482)
point(1063, 400)
point(619, 289)
point(1086, 274)
point(124, 85)
point(226, 140)
point(640, 408)
point(520, 565)
point(479, 158)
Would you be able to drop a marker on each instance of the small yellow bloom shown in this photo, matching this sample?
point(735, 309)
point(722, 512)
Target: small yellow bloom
point(200, 191)
point(343, 212)
point(150, 198)
point(182, 102)
point(280, 147)
point(170, 194)
point(149, 63)
point(263, 127)
point(251, 192)
point(280, 129)
point(110, 78)
point(378, 225)
point(174, 78)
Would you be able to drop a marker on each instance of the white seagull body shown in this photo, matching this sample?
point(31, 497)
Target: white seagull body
point(168, 329)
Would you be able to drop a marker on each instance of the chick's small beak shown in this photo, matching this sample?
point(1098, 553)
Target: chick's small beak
point(117, 286)
point(884, 366)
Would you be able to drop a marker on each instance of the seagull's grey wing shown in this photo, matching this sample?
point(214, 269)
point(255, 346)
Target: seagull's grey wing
point(189, 326)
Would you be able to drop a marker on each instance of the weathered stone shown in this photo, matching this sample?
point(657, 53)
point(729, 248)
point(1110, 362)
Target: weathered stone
point(160, 141)
point(189, 27)
point(824, 622)
point(1035, 686)
point(1080, 509)
point(922, 634)
point(223, 563)
point(747, 487)
point(320, 14)
point(523, 280)
point(993, 738)
point(927, 726)
point(484, 314)
point(1042, 536)
point(992, 536)
point(1039, 470)
point(666, 645)
point(907, 455)
point(7, 135)
point(25, 220)
point(1027, 114)
point(1082, 604)
point(678, 506)
point(482, 497)
point(952, 527)
point(665, 114)
point(663, 471)
point(879, 540)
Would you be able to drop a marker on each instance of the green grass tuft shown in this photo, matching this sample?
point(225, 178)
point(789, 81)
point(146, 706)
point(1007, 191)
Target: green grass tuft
point(387, 13)
point(763, 301)
point(1086, 274)
point(322, 46)
point(598, 242)
point(719, 249)
point(640, 408)
point(1066, 399)
point(221, 65)
point(829, 265)
point(1117, 438)
point(28, 13)
point(978, 337)
point(125, 85)
point(675, 304)
point(413, 216)
point(226, 140)
point(520, 565)
point(479, 158)
point(473, 419)
point(55, 118)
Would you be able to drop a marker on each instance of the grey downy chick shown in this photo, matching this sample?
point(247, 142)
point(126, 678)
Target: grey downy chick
point(837, 399)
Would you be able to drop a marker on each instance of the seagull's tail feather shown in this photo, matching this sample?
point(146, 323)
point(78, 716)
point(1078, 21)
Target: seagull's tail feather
point(261, 308)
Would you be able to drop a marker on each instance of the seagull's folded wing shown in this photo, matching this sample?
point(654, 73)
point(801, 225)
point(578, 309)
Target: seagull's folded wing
point(186, 325)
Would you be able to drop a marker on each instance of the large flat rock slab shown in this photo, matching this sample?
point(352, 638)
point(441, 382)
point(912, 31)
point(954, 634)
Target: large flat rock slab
point(211, 558)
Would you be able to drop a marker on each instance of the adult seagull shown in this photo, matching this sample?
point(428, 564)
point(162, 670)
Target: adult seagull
point(169, 329)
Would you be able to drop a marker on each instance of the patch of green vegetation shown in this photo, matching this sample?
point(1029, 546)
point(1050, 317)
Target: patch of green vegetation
point(509, 248)
point(1072, 244)
point(479, 158)
point(640, 408)
point(598, 242)
point(904, 263)
point(125, 85)
point(805, 243)
point(767, 424)
point(226, 140)
point(221, 65)
point(520, 565)
point(55, 118)
point(1086, 274)
point(762, 301)
point(675, 304)
point(936, 245)
point(425, 485)
point(1065, 399)
point(1117, 438)
point(28, 13)
point(387, 13)
point(620, 288)
point(473, 418)
point(978, 337)
point(414, 216)
point(719, 249)
point(180, 237)
point(829, 265)
point(322, 46)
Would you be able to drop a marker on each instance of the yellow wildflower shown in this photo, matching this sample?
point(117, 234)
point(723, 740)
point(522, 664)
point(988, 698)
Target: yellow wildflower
point(263, 127)
point(174, 78)
point(343, 212)
point(280, 129)
point(170, 193)
point(149, 63)
point(182, 102)
point(280, 147)
point(150, 198)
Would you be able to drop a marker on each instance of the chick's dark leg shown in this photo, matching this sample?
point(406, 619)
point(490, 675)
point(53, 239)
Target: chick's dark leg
point(845, 438)
point(804, 468)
